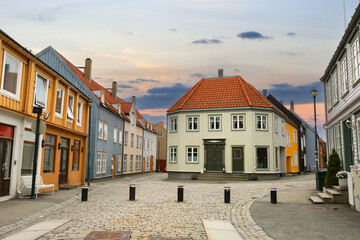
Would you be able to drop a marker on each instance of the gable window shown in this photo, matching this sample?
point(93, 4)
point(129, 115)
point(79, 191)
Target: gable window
point(344, 75)
point(126, 138)
point(11, 76)
point(261, 122)
point(173, 124)
point(115, 135)
point(262, 157)
point(79, 114)
point(59, 102)
point(276, 125)
point(132, 140)
point(106, 127)
point(356, 59)
point(192, 123)
point(214, 123)
point(70, 112)
point(237, 122)
point(334, 89)
point(192, 154)
point(159, 134)
point(133, 118)
point(173, 154)
point(101, 129)
point(41, 90)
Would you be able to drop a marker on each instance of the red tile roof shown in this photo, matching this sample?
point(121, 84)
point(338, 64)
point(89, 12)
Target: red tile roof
point(227, 92)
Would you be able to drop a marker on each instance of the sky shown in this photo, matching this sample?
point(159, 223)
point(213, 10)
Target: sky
point(157, 50)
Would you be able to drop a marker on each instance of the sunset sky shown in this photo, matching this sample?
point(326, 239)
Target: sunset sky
point(158, 49)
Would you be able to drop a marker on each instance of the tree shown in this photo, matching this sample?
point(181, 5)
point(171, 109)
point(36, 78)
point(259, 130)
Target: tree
point(332, 168)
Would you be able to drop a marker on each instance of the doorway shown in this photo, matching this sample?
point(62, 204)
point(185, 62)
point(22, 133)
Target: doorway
point(214, 157)
point(238, 159)
point(64, 159)
point(113, 165)
point(5, 165)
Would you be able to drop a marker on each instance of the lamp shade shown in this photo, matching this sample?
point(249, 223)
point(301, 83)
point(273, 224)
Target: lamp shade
point(314, 92)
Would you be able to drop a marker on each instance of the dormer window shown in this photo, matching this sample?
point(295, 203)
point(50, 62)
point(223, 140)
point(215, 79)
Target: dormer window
point(102, 98)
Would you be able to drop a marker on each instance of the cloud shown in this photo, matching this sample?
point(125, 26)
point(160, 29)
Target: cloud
point(155, 119)
point(198, 75)
point(173, 30)
point(154, 112)
point(124, 86)
point(236, 70)
point(207, 41)
point(252, 35)
point(161, 97)
point(300, 94)
point(291, 34)
point(142, 80)
point(289, 53)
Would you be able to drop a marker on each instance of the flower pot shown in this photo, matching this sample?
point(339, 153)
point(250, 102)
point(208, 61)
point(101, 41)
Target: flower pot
point(343, 184)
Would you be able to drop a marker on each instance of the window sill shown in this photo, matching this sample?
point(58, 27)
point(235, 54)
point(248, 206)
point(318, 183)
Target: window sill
point(78, 124)
point(173, 131)
point(172, 162)
point(192, 162)
point(262, 130)
point(214, 130)
point(69, 120)
point(345, 94)
point(192, 130)
point(241, 129)
point(58, 115)
point(356, 83)
point(9, 95)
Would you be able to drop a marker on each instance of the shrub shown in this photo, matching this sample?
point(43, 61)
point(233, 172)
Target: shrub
point(332, 169)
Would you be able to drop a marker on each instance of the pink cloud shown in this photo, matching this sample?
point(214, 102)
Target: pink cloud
point(154, 112)
point(306, 111)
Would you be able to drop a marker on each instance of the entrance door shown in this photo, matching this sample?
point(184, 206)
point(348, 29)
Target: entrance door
point(288, 164)
point(5, 164)
point(238, 159)
point(214, 157)
point(113, 165)
point(64, 159)
point(347, 148)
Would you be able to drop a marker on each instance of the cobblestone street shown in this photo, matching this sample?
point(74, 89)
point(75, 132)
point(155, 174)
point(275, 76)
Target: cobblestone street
point(156, 211)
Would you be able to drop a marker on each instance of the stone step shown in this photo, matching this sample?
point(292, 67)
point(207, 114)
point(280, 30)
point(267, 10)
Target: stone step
point(340, 189)
point(316, 200)
point(332, 191)
point(324, 195)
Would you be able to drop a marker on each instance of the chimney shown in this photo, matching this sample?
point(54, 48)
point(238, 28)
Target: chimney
point(133, 100)
point(220, 73)
point(265, 92)
point(87, 70)
point(162, 124)
point(113, 89)
point(292, 105)
point(282, 102)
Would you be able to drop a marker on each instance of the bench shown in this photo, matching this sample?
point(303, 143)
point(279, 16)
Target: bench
point(26, 184)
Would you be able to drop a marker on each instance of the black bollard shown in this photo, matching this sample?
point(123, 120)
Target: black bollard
point(180, 193)
point(226, 194)
point(273, 195)
point(132, 192)
point(84, 193)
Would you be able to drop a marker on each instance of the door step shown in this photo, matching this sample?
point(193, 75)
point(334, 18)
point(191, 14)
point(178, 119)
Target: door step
point(325, 197)
point(316, 200)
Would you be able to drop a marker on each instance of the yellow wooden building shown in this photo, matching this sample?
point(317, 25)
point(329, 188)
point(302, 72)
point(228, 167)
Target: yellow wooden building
point(25, 82)
point(292, 147)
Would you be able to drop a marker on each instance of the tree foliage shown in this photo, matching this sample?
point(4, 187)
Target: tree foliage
point(332, 169)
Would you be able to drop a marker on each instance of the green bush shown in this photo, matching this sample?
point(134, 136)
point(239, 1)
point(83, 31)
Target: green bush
point(332, 169)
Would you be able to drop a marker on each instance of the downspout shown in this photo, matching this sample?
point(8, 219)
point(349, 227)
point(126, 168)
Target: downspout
point(89, 145)
point(122, 148)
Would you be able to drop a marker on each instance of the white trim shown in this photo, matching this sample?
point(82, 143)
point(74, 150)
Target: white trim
point(80, 110)
point(215, 116)
point(46, 92)
point(60, 115)
point(4, 92)
point(71, 113)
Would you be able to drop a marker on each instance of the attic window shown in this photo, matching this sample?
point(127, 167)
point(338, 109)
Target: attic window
point(102, 98)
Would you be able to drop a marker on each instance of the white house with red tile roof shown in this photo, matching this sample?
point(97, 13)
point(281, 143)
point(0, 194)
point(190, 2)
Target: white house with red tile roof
point(225, 125)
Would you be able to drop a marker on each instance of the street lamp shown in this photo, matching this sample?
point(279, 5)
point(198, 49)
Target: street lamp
point(350, 126)
point(314, 93)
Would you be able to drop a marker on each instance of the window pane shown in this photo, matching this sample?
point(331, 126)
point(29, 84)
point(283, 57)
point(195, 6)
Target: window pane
point(76, 158)
point(49, 154)
point(59, 96)
point(28, 155)
point(40, 89)
point(79, 113)
point(262, 158)
point(11, 73)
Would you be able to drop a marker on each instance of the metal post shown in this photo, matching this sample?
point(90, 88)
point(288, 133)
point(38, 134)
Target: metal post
point(316, 149)
point(273, 195)
point(84, 193)
point(89, 147)
point(226, 194)
point(180, 193)
point(132, 192)
point(36, 151)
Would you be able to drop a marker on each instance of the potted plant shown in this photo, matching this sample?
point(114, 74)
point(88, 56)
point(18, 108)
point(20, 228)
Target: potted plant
point(342, 176)
point(332, 168)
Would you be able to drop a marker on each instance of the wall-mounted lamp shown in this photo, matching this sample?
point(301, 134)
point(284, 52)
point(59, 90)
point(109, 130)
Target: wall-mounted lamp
point(59, 146)
point(82, 149)
point(72, 148)
point(349, 124)
point(46, 116)
point(43, 143)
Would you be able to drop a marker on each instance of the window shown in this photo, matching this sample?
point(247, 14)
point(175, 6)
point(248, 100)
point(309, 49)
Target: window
point(119, 162)
point(356, 60)
point(261, 122)
point(126, 138)
point(277, 164)
point(159, 134)
point(70, 112)
point(283, 127)
point(328, 95)
point(151, 145)
point(262, 157)
point(192, 154)
point(125, 162)
point(287, 139)
point(59, 102)
point(79, 114)
point(49, 154)
point(334, 88)
point(41, 89)
point(76, 159)
point(295, 159)
point(11, 76)
point(173, 124)
point(28, 152)
point(120, 136)
point(140, 143)
point(148, 143)
point(344, 75)
point(132, 118)
point(106, 126)
point(214, 123)
point(101, 130)
point(294, 136)
point(338, 140)
point(131, 162)
point(276, 125)
point(173, 154)
point(358, 134)
point(98, 162)
point(137, 141)
point(237, 122)
point(192, 123)
point(115, 135)
point(132, 140)
point(103, 165)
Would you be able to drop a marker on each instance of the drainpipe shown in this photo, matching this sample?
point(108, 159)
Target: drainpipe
point(122, 146)
point(89, 145)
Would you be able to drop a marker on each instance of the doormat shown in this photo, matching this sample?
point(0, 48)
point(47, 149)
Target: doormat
point(167, 238)
point(100, 235)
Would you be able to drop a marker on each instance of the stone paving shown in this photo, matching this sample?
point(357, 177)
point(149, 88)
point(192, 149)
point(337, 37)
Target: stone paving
point(156, 211)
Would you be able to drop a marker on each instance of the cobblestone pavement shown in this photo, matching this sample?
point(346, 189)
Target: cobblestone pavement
point(156, 211)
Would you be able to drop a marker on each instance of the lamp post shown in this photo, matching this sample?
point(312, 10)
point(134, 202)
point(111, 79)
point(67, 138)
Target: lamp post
point(38, 111)
point(350, 126)
point(314, 93)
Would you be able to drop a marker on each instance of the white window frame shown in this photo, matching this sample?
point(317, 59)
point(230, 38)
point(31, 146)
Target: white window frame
point(261, 122)
point(215, 118)
point(328, 94)
point(237, 119)
point(294, 136)
point(45, 94)
point(79, 113)
point(173, 124)
point(283, 127)
point(120, 135)
point(288, 143)
point(106, 130)
point(132, 136)
point(131, 162)
point(140, 143)
point(62, 90)
point(101, 129)
point(344, 78)
point(126, 138)
point(70, 110)
point(190, 124)
point(119, 162)
point(192, 154)
point(173, 154)
point(355, 55)
point(137, 141)
point(18, 82)
point(98, 162)
point(159, 134)
point(267, 158)
point(296, 162)
point(115, 135)
point(125, 163)
point(103, 165)
point(276, 124)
